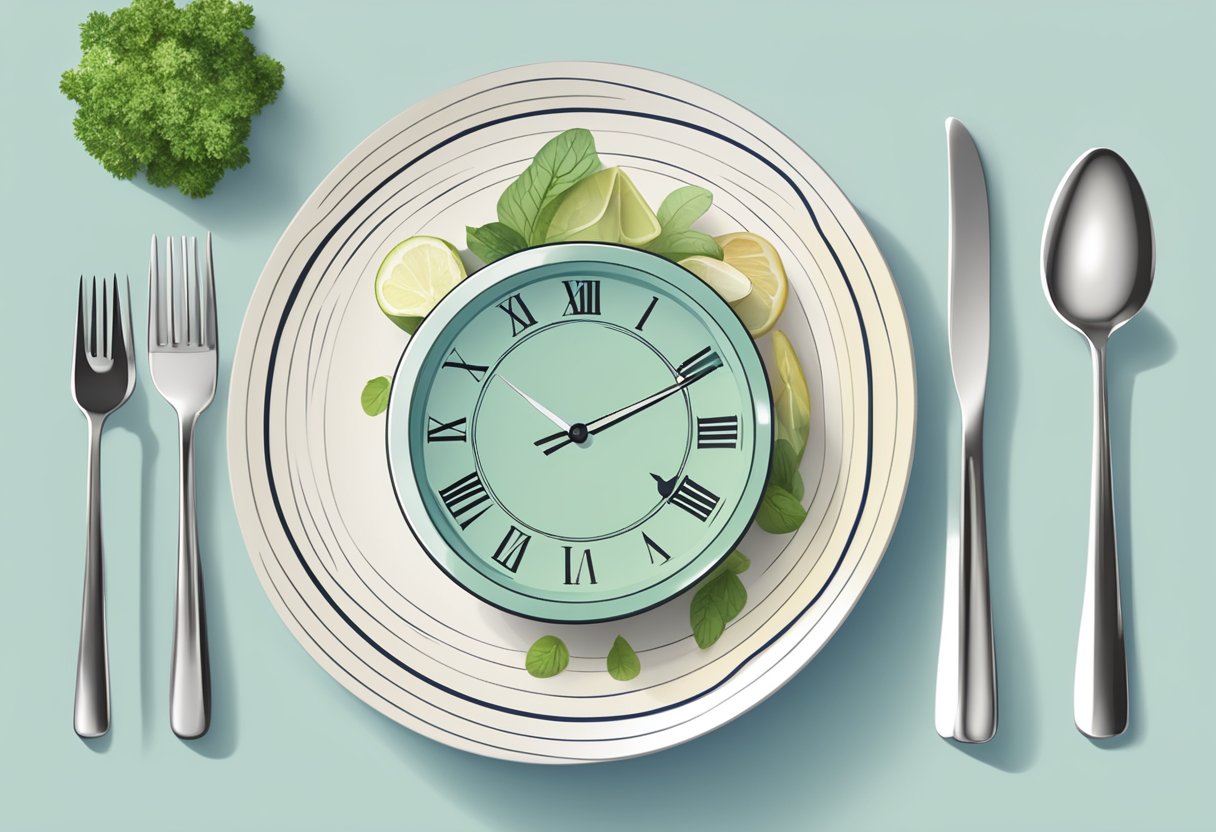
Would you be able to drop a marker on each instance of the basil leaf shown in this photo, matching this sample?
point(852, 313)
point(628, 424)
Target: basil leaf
point(737, 562)
point(529, 202)
point(714, 604)
point(683, 207)
point(623, 663)
point(784, 468)
point(493, 241)
point(375, 395)
point(780, 511)
point(686, 243)
point(547, 657)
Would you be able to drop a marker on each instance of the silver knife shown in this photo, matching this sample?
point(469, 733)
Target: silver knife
point(966, 668)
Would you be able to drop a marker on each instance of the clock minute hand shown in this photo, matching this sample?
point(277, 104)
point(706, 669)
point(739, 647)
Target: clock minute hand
point(540, 408)
point(695, 369)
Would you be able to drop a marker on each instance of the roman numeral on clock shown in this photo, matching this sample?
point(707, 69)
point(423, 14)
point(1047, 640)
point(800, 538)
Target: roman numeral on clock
point(694, 498)
point(583, 297)
point(646, 314)
point(456, 360)
point(440, 431)
point(463, 496)
point(699, 364)
point(574, 577)
point(717, 432)
point(653, 548)
point(511, 551)
point(518, 312)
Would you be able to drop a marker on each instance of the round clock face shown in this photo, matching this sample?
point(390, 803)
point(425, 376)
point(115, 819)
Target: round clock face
point(580, 431)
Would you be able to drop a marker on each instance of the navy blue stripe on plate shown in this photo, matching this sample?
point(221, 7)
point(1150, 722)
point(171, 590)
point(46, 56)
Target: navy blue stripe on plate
point(295, 291)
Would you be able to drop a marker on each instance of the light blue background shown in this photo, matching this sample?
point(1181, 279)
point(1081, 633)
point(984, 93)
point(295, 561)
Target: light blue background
point(864, 87)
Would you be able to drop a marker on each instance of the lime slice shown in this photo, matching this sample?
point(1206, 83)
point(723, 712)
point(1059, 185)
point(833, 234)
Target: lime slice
point(756, 258)
point(414, 276)
point(791, 399)
point(730, 283)
point(604, 207)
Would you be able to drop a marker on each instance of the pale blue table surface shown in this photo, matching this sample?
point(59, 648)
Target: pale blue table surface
point(849, 744)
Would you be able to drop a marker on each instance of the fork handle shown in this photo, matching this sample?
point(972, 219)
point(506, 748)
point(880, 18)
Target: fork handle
point(91, 717)
point(190, 682)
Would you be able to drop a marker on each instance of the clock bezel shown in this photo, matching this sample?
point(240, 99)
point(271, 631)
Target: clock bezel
point(413, 505)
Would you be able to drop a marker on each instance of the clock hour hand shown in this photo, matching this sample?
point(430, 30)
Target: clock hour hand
point(690, 372)
point(540, 408)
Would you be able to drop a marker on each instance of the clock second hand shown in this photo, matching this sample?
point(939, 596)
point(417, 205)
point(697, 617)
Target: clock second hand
point(540, 408)
point(579, 432)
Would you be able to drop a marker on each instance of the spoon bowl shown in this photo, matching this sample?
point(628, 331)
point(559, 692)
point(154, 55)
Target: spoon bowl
point(1098, 260)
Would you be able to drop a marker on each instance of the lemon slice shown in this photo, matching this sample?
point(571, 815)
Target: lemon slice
point(756, 259)
point(604, 207)
point(414, 276)
point(730, 283)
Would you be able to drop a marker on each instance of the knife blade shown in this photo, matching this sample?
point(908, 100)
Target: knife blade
point(966, 706)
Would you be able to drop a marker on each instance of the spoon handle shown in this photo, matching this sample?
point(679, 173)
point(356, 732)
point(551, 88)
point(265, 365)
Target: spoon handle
point(1100, 687)
point(966, 667)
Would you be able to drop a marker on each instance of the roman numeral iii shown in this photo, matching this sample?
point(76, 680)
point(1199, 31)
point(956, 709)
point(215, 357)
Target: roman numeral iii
point(574, 576)
point(463, 497)
point(518, 312)
point(583, 297)
point(511, 551)
point(440, 431)
point(694, 498)
point(717, 431)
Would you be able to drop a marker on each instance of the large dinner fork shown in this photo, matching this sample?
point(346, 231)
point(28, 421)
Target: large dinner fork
point(182, 357)
point(103, 376)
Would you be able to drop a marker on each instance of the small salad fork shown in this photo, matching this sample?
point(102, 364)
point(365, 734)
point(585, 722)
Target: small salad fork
point(183, 359)
point(103, 377)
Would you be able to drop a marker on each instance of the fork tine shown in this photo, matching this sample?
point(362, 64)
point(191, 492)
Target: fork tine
point(173, 329)
point(80, 336)
point(196, 297)
point(154, 338)
point(187, 304)
point(128, 348)
point(93, 321)
point(209, 337)
point(104, 346)
point(115, 341)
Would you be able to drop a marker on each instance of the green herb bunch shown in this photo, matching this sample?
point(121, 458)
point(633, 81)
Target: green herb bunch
point(170, 90)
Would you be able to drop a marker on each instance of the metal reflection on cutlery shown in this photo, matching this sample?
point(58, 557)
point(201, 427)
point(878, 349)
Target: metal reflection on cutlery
point(182, 355)
point(966, 708)
point(103, 377)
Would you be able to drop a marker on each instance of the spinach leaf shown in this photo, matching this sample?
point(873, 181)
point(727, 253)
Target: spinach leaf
point(780, 511)
point(375, 395)
point(547, 657)
point(623, 663)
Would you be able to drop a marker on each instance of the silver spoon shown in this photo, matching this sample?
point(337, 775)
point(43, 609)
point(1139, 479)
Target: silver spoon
point(1097, 271)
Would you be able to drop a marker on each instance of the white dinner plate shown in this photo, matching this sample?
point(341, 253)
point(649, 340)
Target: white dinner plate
point(311, 479)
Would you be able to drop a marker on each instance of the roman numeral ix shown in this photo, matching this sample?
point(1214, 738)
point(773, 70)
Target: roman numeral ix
point(583, 297)
point(463, 496)
point(718, 432)
point(440, 431)
point(574, 577)
point(518, 312)
point(694, 498)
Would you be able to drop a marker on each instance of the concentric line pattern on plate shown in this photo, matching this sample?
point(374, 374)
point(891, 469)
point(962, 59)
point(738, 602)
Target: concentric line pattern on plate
point(309, 470)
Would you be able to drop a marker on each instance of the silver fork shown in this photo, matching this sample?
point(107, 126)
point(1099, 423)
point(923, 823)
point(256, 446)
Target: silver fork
point(183, 359)
point(103, 376)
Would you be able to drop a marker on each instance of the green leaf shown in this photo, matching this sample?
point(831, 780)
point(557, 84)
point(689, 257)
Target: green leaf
point(683, 207)
point(375, 395)
point(737, 562)
point(780, 511)
point(494, 241)
point(528, 203)
point(716, 602)
point(784, 468)
point(623, 663)
point(547, 657)
point(686, 243)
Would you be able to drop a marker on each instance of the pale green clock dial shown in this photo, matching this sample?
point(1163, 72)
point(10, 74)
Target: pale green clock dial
point(579, 432)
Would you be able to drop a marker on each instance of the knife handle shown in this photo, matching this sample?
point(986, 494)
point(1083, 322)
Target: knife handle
point(966, 670)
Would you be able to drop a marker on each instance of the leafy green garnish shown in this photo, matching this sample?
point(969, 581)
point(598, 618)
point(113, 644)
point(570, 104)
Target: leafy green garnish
point(678, 239)
point(528, 204)
point(547, 657)
point(780, 511)
point(784, 468)
point(737, 562)
point(716, 602)
point(493, 241)
point(375, 395)
point(623, 663)
point(170, 90)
